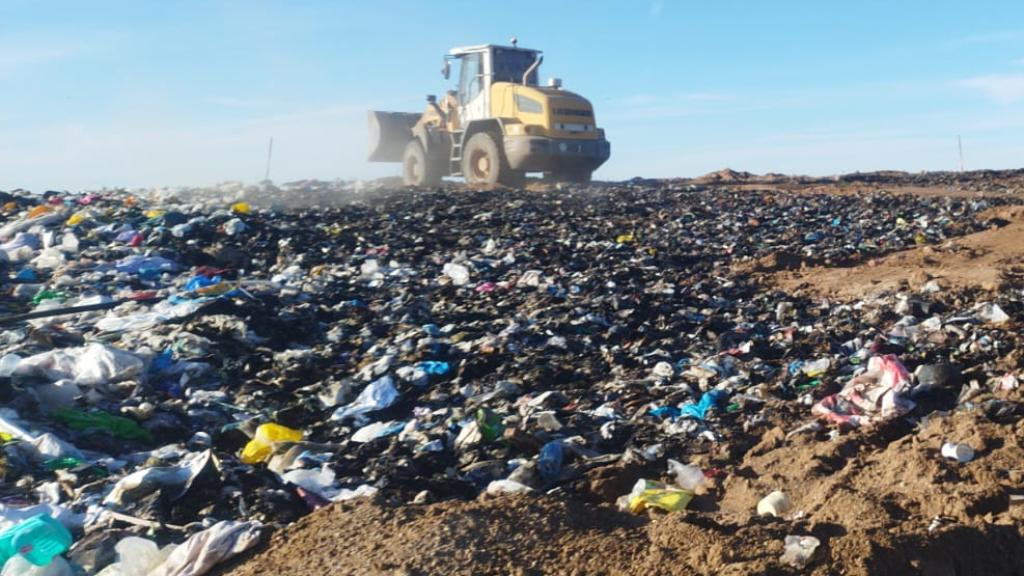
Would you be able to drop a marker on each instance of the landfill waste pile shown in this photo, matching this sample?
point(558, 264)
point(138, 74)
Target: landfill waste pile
point(605, 379)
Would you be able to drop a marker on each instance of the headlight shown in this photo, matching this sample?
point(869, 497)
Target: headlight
point(535, 130)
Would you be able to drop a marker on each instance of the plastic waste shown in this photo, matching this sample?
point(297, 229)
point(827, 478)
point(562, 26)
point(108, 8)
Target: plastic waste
point(262, 444)
point(204, 550)
point(687, 477)
point(377, 430)
point(434, 368)
point(490, 425)
point(97, 419)
point(136, 557)
point(458, 273)
point(86, 365)
point(710, 399)
point(550, 459)
point(775, 504)
point(498, 487)
point(991, 312)
point(880, 393)
point(38, 539)
point(377, 395)
point(816, 368)
point(799, 550)
point(7, 364)
point(962, 453)
point(19, 566)
point(174, 481)
point(649, 494)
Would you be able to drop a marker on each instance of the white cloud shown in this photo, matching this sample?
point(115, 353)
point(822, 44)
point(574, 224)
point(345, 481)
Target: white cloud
point(1018, 62)
point(1003, 88)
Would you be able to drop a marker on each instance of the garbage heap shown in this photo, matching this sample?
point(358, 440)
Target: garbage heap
point(180, 372)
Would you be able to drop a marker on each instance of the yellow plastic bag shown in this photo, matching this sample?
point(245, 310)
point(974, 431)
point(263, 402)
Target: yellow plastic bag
point(75, 219)
point(261, 446)
point(241, 208)
point(155, 213)
point(666, 499)
point(39, 211)
point(625, 239)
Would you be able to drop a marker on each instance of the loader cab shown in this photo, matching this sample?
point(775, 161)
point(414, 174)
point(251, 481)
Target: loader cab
point(481, 66)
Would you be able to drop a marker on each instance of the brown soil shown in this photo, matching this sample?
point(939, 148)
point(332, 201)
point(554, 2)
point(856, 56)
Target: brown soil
point(869, 502)
point(990, 260)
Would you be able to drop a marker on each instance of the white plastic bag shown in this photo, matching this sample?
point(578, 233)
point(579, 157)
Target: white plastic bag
point(377, 395)
point(87, 365)
point(204, 550)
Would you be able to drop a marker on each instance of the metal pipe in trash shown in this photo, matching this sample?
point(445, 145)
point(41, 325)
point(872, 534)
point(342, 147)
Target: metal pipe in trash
point(73, 309)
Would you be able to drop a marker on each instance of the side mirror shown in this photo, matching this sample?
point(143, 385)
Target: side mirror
point(447, 70)
point(431, 99)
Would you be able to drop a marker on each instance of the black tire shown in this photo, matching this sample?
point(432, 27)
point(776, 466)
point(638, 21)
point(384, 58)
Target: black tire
point(484, 163)
point(574, 176)
point(418, 169)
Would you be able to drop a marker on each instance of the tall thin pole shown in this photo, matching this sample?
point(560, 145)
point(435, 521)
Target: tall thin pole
point(270, 153)
point(960, 146)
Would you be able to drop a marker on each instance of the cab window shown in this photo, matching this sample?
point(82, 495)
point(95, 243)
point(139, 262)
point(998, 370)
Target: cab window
point(471, 78)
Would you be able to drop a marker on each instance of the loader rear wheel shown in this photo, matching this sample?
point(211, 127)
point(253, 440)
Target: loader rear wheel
point(484, 163)
point(419, 169)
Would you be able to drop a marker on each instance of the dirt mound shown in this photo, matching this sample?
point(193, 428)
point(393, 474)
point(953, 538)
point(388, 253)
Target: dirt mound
point(723, 176)
point(990, 260)
point(881, 503)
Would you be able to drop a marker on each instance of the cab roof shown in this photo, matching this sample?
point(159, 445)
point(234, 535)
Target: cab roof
point(461, 50)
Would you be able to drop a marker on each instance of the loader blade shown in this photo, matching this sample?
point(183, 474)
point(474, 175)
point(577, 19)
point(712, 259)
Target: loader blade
point(389, 134)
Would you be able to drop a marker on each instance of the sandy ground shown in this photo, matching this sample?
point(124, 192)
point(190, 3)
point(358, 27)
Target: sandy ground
point(879, 508)
point(988, 260)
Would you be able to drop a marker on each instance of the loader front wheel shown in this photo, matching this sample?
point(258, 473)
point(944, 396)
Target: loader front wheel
point(419, 169)
point(484, 163)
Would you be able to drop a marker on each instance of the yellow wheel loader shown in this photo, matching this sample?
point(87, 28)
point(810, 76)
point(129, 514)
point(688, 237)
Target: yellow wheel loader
point(497, 126)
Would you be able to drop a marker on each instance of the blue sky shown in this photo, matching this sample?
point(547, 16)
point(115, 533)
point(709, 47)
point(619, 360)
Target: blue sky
point(148, 93)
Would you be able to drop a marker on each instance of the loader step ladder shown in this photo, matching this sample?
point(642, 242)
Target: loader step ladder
point(455, 164)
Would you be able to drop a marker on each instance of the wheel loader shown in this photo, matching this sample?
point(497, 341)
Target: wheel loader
point(495, 127)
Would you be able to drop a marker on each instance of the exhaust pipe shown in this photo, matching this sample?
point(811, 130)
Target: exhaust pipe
point(540, 58)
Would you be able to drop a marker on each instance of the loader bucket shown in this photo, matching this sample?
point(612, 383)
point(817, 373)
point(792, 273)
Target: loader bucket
point(389, 134)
